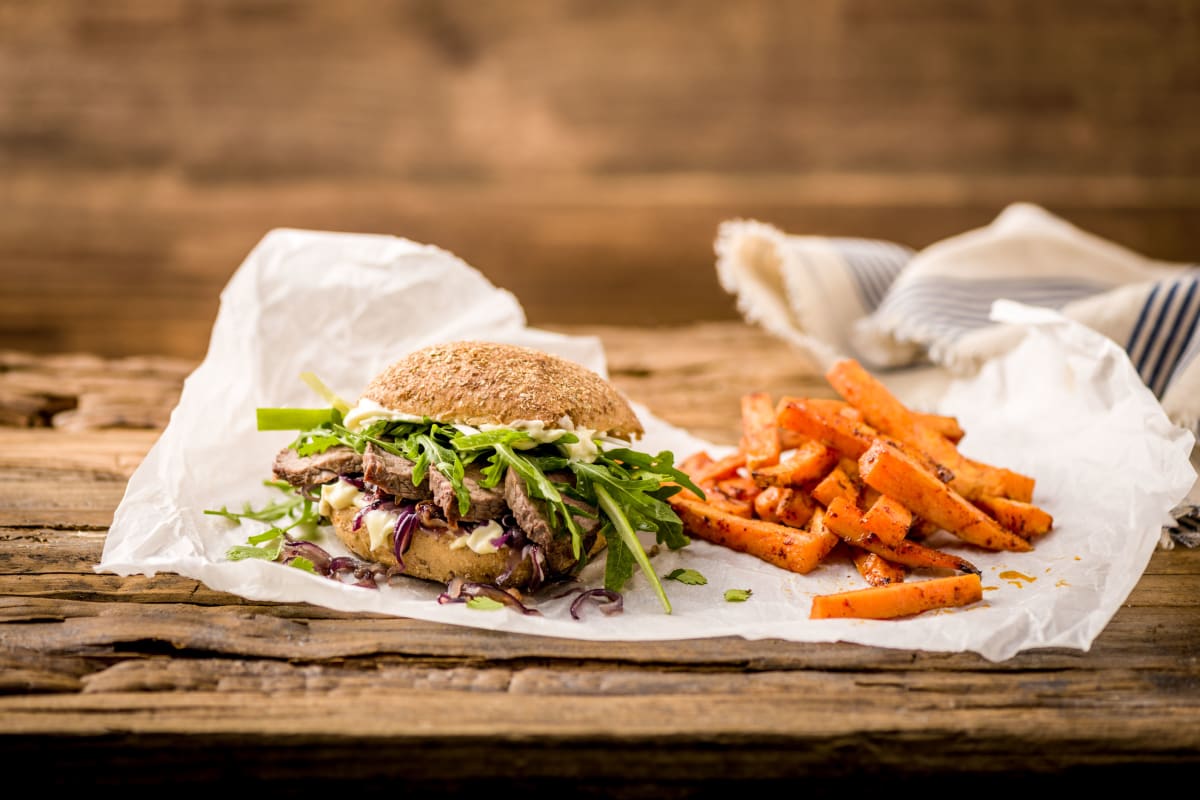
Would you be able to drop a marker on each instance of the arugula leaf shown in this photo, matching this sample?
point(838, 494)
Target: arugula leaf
point(737, 595)
point(689, 576)
point(558, 513)
point(269, 513)
point(618, 563)
point(299, 510)
point(424, 450)
point(629, 539)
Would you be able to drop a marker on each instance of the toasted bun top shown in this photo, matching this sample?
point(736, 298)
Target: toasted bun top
point(480, 383)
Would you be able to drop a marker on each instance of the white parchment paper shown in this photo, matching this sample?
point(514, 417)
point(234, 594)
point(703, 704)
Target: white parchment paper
point(1065, 406)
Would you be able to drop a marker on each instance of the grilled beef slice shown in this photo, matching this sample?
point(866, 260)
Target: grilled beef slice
point(531, 516)
point(393, 474)
point(318, 468)
point(485, 503)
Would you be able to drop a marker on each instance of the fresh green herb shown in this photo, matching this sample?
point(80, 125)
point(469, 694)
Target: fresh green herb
point(424, 450)
point(481, 603)
point(300, 511)
point(271, 553)
point(300, 562)
point(737, 595)
point(689, 576)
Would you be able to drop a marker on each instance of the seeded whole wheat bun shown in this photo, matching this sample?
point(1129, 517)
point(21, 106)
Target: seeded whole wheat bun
point(429, 555)
point(477, 383)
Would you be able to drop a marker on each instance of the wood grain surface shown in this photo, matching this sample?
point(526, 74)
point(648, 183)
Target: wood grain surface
point(580, 154)
point(146, 683)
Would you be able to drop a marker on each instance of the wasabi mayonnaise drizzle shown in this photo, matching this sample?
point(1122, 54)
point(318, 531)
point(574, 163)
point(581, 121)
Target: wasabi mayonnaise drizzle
point(368, 411)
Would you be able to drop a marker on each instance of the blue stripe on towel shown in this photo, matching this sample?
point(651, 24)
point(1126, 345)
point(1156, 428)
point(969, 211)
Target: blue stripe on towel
point(1162, 339)
point(965, 304)
point(873, 265)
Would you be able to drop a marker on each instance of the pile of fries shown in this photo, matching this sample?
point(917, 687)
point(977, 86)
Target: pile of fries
point(863, 477)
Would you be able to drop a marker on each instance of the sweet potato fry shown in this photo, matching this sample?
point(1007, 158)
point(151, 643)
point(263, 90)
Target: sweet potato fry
point(1024, 519)
point(809, 462)
point(888, 519)
point(876, 570)
point(722, 468)
point(735, 495)
point(891, 472)
point(841, 432)
point(887, 414)
point(794, 507)
point(793, 549)
point(765, 502)
point(760, 436)
point(899, 599)
point(844, 519)
point(830, 405)
point(836, 484)
point(945, 425)
point(695, 462)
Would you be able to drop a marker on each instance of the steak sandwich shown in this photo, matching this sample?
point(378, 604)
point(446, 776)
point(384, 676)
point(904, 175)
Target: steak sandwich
point(479, 462)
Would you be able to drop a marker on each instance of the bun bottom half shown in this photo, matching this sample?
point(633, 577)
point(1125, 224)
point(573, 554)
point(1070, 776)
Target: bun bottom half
point(429, 556)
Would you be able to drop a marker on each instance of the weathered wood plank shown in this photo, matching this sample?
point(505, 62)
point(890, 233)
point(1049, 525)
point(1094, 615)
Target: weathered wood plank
point(1147, 638)
point(942, 722)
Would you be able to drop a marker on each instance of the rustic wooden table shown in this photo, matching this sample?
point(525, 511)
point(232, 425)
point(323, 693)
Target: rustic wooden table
point(149, 682)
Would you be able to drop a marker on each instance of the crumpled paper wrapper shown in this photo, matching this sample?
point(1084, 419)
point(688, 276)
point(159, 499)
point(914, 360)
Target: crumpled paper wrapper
point(1065, 406)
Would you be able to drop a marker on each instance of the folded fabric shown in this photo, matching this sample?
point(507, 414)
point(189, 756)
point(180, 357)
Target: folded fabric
point(893, 307)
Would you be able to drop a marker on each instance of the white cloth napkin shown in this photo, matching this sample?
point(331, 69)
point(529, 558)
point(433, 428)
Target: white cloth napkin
point(896, 309)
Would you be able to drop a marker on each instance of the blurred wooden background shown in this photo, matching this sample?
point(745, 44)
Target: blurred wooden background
point(580, 154)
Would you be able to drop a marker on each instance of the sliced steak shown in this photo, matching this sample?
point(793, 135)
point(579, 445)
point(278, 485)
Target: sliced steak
point(485, 503)
point(393, 474)
point(531, 516)
point(318, 468)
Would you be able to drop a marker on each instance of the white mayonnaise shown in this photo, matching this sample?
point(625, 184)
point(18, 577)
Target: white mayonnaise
point(583, 450)
point(480, 539)
point(342, 494)
point(368, 411)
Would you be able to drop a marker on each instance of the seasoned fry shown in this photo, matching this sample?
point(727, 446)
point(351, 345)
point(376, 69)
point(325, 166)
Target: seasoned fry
point(722, 468)
point(1024, 519)
point(888, 519)
point(838, 431)
point(844, 520)
point(760, 435)
point(899, 599)
point(887, 414)
point(891, 472)
point(809, 462)
point(860, 478)
point(836, 484)
point(765, 503)
point(794, 507)
point(876, 570)
point(695, 462)
point(946, 426)
point(793, 549)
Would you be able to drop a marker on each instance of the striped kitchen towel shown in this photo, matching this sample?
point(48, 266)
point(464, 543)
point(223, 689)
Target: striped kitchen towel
point(893, 307)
